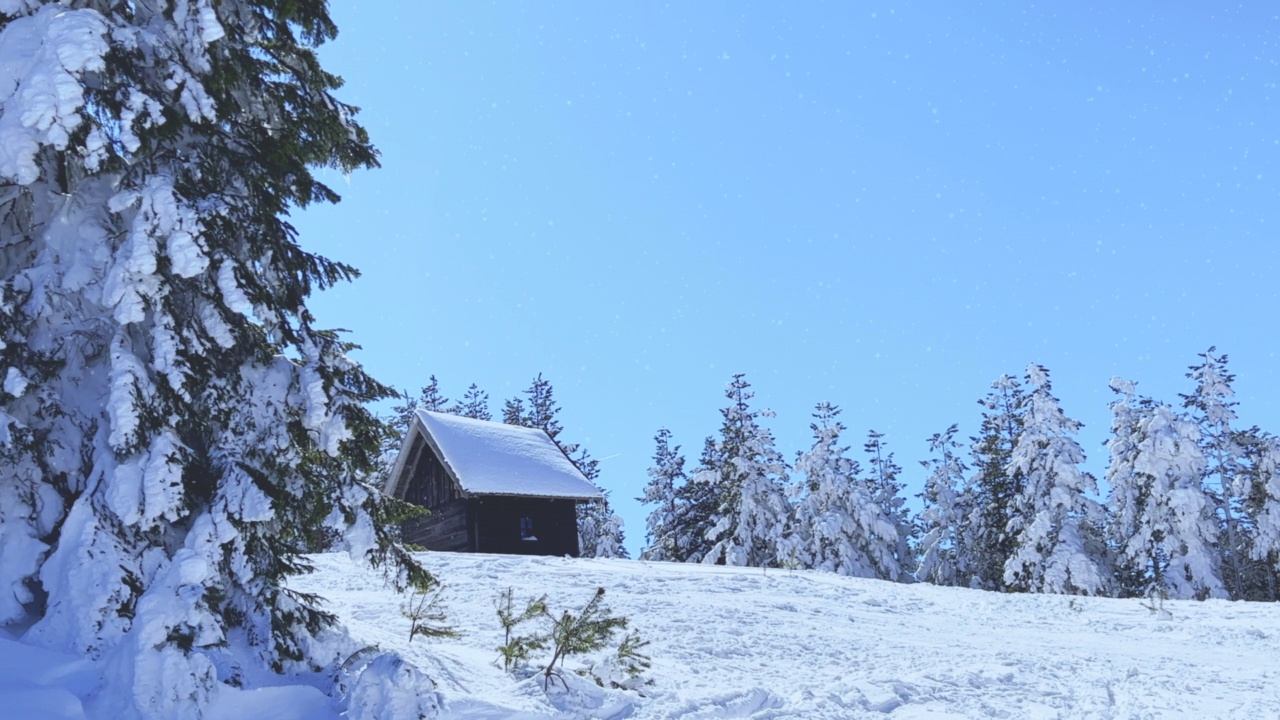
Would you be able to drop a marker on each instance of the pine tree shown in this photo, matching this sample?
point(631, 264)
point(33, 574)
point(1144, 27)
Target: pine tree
point(429, 398)
point(665, 477)
point(749, 477)
point(994, 485)
point(600, 532)
point(1213, 412)
point(475, 404)
point(944, 558)
point(542, 408)
point(696, 503)
point(1261, 507)
point(175, 429)
point(1161, 519)
point(1056, 525)
point(837, 524)
point(886, 493)
point(513, 413)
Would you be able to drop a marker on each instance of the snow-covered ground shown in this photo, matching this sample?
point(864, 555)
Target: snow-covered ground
point(730, 642)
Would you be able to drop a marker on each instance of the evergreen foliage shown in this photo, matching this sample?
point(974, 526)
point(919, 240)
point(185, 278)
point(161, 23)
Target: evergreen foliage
point(425, 614)
point(886, 493)
point(696, 503)
point(666, 476)
point(748, 478)
point(577, 634)
point(837, 525)
point(944, 555)
point(630, 656)
point(513, 412)
point(475, 404)
point(995, 484)
point(1213, 411)
point(429, 398)
point(1057, 527)
point(175, 429)
point(1262, 506)
point(515, 648)
point(1161, 520)
point(542, 408)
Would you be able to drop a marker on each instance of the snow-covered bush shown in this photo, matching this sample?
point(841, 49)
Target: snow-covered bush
point(384, 686)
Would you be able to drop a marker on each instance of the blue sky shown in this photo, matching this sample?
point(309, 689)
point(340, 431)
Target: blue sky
point(881, 205)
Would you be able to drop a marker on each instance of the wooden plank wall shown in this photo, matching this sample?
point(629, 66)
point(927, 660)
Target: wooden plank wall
point(430, 485)
point(446, 528)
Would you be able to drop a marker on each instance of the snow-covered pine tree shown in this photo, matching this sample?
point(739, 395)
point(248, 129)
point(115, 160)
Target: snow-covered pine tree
point(994, 486)
point(175, 431)
point(696, 503)
point(1161, 519)
point(475, 404)
point(1213, 411)
point(944, 556)
point(600, 532)
point(751, 505)
point(666, 475)
point(837, 525)
point(1261, 508)
point(1056, 526)
point(882, 482)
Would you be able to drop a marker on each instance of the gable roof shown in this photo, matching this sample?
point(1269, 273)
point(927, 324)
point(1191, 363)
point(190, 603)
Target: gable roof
point(489, 458)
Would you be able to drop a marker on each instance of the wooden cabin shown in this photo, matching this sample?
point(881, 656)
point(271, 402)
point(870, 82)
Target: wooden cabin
point(490, 487)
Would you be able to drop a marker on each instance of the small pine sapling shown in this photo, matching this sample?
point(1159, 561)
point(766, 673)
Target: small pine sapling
point(515, 649)
point(589, 630)
point(631, 658)
point(423, 609)
point(1156, 595)
point(625, 668)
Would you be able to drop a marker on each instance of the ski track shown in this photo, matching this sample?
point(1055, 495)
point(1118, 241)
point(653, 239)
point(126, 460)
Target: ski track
point(750, 643)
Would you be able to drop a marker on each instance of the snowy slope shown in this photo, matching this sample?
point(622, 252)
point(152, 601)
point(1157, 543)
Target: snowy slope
point(748, 643)
point(733, 642)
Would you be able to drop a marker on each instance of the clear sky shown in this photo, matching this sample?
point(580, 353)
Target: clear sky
point(882, 205)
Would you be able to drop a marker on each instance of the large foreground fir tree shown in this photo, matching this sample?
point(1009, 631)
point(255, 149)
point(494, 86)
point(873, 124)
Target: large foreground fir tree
point(174, 429)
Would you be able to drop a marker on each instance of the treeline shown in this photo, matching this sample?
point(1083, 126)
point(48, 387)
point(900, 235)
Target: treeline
point(1192, 510)
point(599, 528)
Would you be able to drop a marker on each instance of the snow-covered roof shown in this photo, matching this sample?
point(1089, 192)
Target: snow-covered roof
point(489, 458)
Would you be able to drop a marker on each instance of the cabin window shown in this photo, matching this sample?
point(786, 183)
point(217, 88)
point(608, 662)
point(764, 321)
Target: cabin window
point(526, 529)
